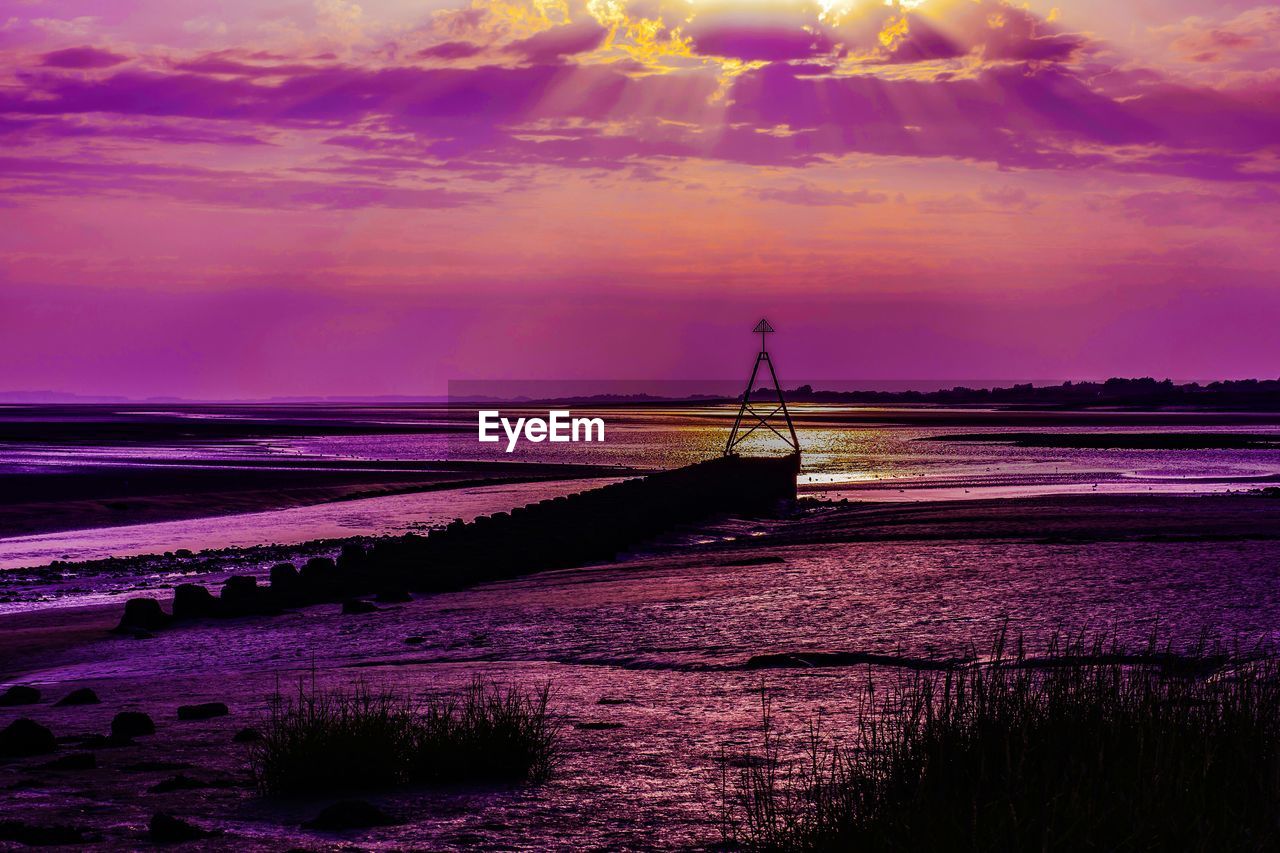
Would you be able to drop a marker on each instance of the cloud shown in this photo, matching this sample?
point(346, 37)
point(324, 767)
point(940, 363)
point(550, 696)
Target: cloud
point(512, 88)
point(754, 43)
point(82, 58)
point(450, 50)
point(911, 39)
point(811, 196)
point(1200, 209)
point(558, 42)
point(47, 176)
point(1009, 197)
point(1251, 36)
point(232, 63)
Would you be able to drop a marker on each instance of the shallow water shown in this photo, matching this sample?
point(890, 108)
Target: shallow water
point(390, 515)
point(877, 462)
point(663, 640)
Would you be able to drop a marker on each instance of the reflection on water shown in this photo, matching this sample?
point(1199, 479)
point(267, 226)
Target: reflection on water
point(663, 643)
point(390, 515)
point(856, 461)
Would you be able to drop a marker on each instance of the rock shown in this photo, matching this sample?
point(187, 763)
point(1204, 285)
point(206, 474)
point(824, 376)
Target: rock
point(350, 814)
point(80, 696)
point(193, 601)
point(318, 567)
point(415, 641)
point(203, 711)
point(241, 596)
point(40, 836)
point(354, 606)
point(247, 735)
point(142, 614)
point(352, 557)
point(19, 694)
point(74, 761)
point(286, 584)
point(394, 596)
point(167, 829)
point(284, 573)
point(320, 577)
point(131, 724)
point(26, 737)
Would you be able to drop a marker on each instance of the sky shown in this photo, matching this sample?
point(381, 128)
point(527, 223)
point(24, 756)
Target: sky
point(251, 198)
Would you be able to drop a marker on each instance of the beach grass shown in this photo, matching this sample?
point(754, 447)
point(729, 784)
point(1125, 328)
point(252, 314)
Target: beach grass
point(317, 741)
point(1084, 748)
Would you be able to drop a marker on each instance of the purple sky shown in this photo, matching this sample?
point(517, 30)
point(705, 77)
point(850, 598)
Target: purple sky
point(243, 199)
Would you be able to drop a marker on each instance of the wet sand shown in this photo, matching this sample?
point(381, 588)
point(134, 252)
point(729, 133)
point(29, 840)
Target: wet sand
point(649, 658)
point(110, 496)
point(28, 637)
point(1123, 440)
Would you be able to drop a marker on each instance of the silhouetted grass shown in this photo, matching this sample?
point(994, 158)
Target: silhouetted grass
point(318, 741)
point(1087, 748)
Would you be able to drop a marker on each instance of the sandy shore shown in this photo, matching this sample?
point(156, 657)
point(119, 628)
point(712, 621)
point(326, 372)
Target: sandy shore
point(649, 657)
point(27, 637)
point(110, 496)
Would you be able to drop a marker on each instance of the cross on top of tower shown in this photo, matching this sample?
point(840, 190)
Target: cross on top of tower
point(762, 328)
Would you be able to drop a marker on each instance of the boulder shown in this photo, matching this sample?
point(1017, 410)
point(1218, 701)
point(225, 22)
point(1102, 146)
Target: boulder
point(131, 724)
point(167, 829)
point(318, 567)
point(203, 711)
point(142, 614)
point(350, 814)
point(352, 561)
point(19, 694)
point(286, 584)
point(414, 641)
point(80, 696)
point(241, 596)
point(353, 606)
point(284, 574)
point(320, 578)
point(26, 737)
point(193, 601)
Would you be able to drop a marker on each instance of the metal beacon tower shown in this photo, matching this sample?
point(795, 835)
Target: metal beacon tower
point(758, 418)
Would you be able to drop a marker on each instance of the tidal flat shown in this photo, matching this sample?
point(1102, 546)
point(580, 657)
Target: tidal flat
point(648, 661)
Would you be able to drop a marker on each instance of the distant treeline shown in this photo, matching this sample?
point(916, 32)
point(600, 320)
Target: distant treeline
point(1230, 394)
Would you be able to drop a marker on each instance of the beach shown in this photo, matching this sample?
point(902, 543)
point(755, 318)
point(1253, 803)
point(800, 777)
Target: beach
point(649, 658)
point(919, 535)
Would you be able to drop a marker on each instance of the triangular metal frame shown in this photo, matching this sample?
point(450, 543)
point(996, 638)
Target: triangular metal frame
point(761, 420)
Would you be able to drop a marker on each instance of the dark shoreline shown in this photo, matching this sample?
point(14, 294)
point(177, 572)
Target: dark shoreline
point(85, 498)
point(1121, 441)
point(1058, 519)
point(622, 691)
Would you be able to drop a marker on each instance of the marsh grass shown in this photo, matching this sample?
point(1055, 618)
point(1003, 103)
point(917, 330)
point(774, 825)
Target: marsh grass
point(1085, 748)
point(319, 741)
